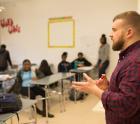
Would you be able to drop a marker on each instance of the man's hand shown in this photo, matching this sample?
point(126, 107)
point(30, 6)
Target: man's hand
point(100, 66)
point(103, 83)
point(85, 86)
point(88, 86)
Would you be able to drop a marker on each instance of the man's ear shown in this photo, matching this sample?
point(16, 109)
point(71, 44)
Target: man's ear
point(130, 33)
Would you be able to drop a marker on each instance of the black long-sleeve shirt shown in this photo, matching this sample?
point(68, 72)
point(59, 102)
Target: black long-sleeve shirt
point(82, 61)
point(4, 60)
point(64, 66)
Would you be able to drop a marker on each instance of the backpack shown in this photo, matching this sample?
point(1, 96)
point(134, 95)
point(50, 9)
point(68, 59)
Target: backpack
point(75, 95)
point(9, 103)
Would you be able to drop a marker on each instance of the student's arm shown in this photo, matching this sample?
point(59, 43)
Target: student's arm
point(49, 70)
point(34, 77)
point(8, 58)
point(86, 62)
point(72, 64)
point(59, 67)
point(105, 54)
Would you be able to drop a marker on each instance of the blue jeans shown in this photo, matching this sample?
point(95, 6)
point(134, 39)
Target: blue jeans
point(102, 70)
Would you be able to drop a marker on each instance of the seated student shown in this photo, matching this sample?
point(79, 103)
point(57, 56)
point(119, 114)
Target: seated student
point(45, 70)
point(23, 81)
point(81, 61)
point(64, 66)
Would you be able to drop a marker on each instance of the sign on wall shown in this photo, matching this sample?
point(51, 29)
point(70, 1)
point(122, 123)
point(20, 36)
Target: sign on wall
point(9, 24)
point(61, 32)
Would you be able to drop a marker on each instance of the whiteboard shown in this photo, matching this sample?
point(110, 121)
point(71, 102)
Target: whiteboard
point(61, 33)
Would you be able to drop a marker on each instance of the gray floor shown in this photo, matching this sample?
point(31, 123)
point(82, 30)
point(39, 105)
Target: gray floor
point(76, 113)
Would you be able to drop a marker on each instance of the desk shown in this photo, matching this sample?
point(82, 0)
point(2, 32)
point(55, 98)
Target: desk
point(52, 78)
point(79, 71)
point(26, 103)
point(79, 75)
point(10, 72)
point(46, 81)
point(7, 79)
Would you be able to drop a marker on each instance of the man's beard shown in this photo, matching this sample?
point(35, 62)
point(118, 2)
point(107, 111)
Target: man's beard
point(118, 45)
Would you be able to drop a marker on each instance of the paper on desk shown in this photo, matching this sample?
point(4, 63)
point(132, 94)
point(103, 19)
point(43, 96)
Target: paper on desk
point(86, 68)
point(4, 77)
point(98, 107)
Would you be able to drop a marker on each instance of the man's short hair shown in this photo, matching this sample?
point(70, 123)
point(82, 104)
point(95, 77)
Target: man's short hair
point(80, 54)
point(64, 54)
point(3, 46)
point(26, 60)
point(131, 18)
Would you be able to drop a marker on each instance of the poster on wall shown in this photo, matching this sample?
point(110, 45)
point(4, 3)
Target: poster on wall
point(61, 32)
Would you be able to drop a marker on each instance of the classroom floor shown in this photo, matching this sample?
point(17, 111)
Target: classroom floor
point(76, 113)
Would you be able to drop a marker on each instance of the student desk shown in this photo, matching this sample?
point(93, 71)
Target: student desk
point(79, 71)
point(7, 79)
point(79, 75)
point(48, 80)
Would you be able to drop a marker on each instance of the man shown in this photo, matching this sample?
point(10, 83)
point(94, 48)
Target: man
point(121, 100)
point(4, 58)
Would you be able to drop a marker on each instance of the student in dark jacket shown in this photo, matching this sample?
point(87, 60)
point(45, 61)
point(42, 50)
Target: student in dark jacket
point(64, 65)
point(4, 58)
point(45, 70)
point(81, 61)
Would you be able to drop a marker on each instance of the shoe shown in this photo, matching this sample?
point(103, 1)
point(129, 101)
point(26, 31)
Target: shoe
point(50, 115)
point(86, 94)
point(39, 111)
point(43, 113)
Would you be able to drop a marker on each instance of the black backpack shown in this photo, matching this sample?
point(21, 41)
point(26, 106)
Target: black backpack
point(9, 103)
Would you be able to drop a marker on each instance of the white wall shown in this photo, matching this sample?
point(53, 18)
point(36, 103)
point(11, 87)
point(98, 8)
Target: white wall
point(92, 17)
point(138, 6)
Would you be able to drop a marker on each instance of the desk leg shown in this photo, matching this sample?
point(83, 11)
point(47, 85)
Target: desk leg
point(63, 97)
point(29, 92)
point(34, 106)
point(11, 120)
point(75, 91)
point(46, 99)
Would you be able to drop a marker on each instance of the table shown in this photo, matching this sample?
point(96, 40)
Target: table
point(10, 72)
point(79, 75)
point(48, 80)
point(79, 71)
point(7, 79)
